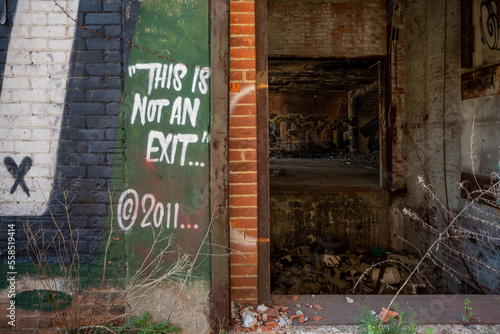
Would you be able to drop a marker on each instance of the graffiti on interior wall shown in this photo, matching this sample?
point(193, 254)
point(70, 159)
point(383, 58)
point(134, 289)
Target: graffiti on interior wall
point(488, 22)
point(18, 172)
point(295, 132)
point(371, 131)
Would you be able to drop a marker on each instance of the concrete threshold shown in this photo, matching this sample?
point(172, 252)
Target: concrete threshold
point(442, 313)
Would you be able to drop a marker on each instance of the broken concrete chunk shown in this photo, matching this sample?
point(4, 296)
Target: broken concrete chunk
point(261, 308)
point(249, 319)
point(284, 322)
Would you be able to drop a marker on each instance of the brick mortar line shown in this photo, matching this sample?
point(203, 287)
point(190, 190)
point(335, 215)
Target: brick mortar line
point(249, 195)
point(243, 149)
point(243, 172)
point(242, 35)
point(242, 207)
point(242, 127)
point(244, 229)
point(250, 138)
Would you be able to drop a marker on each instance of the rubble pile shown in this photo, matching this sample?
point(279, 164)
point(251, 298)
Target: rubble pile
point(376, 271)
point(269, 318)
point(263, 317)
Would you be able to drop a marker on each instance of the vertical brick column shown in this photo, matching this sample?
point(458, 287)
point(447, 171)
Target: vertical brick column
point(243, 153)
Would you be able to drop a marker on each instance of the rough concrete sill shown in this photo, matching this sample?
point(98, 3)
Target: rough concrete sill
point(437, 329)
point(443, 313)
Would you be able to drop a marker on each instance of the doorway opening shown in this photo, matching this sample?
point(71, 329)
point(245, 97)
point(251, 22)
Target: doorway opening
point(324, 122)
point(326, 201)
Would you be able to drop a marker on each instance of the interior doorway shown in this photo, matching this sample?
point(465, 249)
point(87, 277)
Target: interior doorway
point(324, 170)
point(324, 122)
point(320, 119)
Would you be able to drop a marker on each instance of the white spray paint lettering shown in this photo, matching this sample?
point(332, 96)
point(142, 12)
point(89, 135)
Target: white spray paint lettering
point(153, 213)
point(162, 147)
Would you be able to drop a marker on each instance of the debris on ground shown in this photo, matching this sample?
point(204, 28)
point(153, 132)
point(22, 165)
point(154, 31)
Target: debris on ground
point(385, 315)
point(327, 268)
point(264, 318)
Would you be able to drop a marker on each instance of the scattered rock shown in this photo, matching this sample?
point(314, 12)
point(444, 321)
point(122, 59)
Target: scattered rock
point(284, 322)
point(272, 312)
point(249, 318)
point(261, 308)
point(349, 300)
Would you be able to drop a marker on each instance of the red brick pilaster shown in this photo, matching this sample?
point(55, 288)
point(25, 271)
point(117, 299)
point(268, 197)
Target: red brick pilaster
point(243, 154)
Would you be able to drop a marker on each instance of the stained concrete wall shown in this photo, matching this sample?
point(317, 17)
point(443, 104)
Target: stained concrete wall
point(437, 137)
point(356, 216)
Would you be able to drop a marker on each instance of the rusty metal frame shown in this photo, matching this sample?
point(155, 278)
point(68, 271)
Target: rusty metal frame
point(219, 172)
point(264, 281)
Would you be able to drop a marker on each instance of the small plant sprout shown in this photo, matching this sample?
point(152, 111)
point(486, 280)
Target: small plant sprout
point(403, 323)
point(467, 317)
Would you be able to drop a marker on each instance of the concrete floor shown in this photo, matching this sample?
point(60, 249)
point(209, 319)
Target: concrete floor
point(440, 313)
point(430, 309)
point(320, 174)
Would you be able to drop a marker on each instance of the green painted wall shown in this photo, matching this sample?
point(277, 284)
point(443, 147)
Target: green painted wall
point(166, 113)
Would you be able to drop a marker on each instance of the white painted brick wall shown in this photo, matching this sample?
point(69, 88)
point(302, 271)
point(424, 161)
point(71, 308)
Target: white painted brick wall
point(32, 99)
